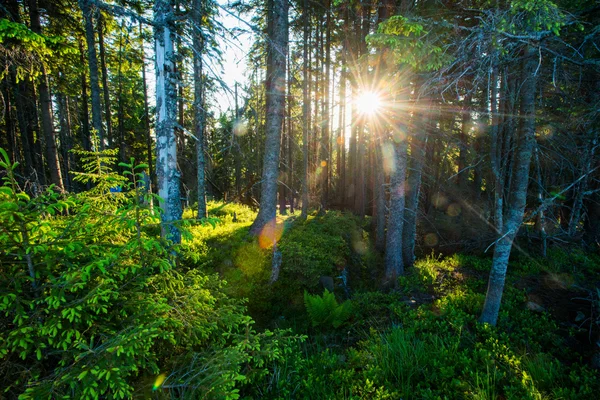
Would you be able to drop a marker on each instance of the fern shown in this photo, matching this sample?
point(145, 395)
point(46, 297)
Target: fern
point(325, 311)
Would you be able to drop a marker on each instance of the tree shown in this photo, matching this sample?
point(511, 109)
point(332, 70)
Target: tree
point(45, 105)
point(167, 172)
point(275, 110)
point(199, 116)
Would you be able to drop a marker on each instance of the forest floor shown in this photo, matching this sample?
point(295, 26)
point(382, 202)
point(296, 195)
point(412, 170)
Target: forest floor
point(421, 340)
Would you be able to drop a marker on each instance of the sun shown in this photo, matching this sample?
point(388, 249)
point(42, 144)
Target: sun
point(368, 103)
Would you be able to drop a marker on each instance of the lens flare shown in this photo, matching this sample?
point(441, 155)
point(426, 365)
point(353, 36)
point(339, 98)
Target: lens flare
point(368, 103)
point(270, 234)
point(159, 381)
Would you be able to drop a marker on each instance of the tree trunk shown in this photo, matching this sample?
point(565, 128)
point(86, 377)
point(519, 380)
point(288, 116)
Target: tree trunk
point(379, 193)
point(463, 173)
point(166, 117)
point(290, 137)
point(107, 112)
point(275, 108)
point(198, 43)
point(417, 151)
point(93, 65)
point(146, 113)
point(394, 262)
point(85, 115)
point(120, 106)
point(65, 137)
point(325, 161)
point(517, 203)
point(305, 112)
point(46, 108)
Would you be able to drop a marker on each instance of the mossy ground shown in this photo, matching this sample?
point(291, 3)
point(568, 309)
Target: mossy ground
point(422, 340)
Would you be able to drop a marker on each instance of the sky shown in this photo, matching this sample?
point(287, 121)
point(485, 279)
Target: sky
point(235, 51)
point(233, 67)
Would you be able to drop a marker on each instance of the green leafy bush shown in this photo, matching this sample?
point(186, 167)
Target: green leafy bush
point(91, 305)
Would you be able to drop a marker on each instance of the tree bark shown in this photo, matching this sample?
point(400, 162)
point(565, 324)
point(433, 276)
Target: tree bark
point(517, 203)
point(417, 151)
point(93, 65)
point(166, 117)
point(107, 111)
point(394, 262)
point(46, 108)
point(275, 108)
point(199, 115)
point(85, 115)
point(146, 113)
point(305, 112)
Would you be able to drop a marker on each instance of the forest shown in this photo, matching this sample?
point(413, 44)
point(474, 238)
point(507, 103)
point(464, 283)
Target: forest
point(397, 199)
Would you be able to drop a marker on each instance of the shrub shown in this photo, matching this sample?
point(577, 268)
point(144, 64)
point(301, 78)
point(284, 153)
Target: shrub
point(90, 303)
point(325, 311)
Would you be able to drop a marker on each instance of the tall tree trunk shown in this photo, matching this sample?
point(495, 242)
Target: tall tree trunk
point(107, 112)
point(65, 137)
point(26, 129)
point(198, 43)
point(146, 112)
point(418, 144)
point(85, 115)
point(237, 155)
point(325, 161)
point(305, 111)
point(495, 154)
point(275, 108)
point(93, 65)
point(518, 199)
point(290, 136)
point(120, 105)
point(46, 108)
point(166, 117)
point(394, 262)
point(463, 173)
point(379, 194)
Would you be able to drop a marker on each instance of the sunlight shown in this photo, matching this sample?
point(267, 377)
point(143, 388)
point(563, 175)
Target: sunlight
point(368, 103)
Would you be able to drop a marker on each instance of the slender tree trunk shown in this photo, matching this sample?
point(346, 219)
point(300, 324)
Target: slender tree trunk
point(93, 65)
point(120, 106)
point(166, 117)
point(305, 111)
point(418, 144)
point(516, 207)
point(237, 155)
point(290, 136)
point(85, 115)
point(275, 109)
point(146, 113)
point(25, 124)
point(65, 137)
point(495, 155)
point(325, 161)
point(463, 173)
point(394, 261)
point(46, 108)
point(107, 111)
point(198, 43)
point(379, 192)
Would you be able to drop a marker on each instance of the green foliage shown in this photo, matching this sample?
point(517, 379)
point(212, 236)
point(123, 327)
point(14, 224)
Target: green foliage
point(28, 51)
point(98, 171)
point(90, 305)
point(410, 43)
point(325, 311)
